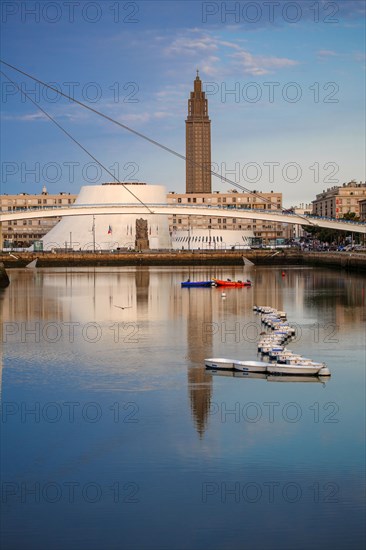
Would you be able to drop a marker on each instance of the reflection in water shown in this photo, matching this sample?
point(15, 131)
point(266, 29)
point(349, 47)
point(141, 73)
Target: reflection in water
point(2, 293)
point(164, 314)
point(199, 314)
point(270, 377)
point(142, 282)
point(312, 438)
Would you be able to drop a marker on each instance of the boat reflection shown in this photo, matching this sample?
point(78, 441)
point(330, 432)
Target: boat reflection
point(294, 378)
point(269, 377)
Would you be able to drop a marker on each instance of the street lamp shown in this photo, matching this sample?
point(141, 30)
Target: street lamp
point(189, 234)
point(93, 229)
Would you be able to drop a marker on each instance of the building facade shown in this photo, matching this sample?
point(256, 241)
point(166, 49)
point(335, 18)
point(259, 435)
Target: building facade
point(294, 231)
point(198, 142)
point(23, 233)
point(264, 231)
point(337, 201)
point(212, 239)
point(362, 206)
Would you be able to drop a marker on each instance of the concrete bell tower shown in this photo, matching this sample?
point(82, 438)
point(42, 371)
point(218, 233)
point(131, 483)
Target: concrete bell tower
point(198, 142)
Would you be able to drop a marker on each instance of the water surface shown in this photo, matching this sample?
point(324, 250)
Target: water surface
point(115, 436)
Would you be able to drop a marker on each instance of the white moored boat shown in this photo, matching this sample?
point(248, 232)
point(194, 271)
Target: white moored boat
point(324, 371)
point(284, 357)
point(303, 361)
point(220, 363)
point(250, 366)
point(273, 345)
point(277, 368)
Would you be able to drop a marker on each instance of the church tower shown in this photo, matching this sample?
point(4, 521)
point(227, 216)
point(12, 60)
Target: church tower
point(198, 142)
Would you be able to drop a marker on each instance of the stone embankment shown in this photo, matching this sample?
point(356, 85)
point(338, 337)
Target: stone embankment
point(342, 260)
point(4, 279)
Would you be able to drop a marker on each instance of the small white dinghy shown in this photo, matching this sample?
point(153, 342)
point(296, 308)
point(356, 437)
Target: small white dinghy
point(324, 371)
point(220, 363)
point(250, 366)
point(277, 368)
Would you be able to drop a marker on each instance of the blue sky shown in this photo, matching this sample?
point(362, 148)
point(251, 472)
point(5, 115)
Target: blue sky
point(285, 84)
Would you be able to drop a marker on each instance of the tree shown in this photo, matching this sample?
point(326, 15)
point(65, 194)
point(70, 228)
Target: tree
point(351, 216)
point(322, 234)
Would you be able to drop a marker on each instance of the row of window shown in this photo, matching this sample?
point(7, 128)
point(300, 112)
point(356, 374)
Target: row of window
point(213, 221)
point(181, 200)
point(21, 236)
point(47, 222)
point(19, 205)
point(175, 227)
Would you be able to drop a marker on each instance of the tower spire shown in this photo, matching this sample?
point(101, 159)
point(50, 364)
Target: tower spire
point(198, 141)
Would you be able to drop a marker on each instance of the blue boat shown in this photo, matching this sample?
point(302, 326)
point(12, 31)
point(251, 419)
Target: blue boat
point(197, 283)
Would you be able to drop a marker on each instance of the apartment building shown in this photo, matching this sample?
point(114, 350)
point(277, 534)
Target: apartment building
point(23, 233)
point(337, 201)
point(264, 231)
point(362, 206)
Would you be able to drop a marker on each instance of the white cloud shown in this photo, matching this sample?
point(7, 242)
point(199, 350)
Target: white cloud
point(160, 114)
point(184, 45)
point(215, 56)
point(257, 65)
point(143, 117)
point(327, 53)
point(29, 117)
point(210, 66)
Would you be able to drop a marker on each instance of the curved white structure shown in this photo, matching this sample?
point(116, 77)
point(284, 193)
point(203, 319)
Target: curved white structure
point(211, 239)
point(165, 209)
point(111, 231)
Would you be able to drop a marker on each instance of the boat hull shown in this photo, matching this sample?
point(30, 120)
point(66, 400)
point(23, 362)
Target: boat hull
point(250, 366)
point(293, 369)
point(190, 284)
point(219, 282)
point(220, 363)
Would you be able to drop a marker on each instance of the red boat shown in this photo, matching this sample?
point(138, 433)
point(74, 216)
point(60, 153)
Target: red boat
point(228, 282)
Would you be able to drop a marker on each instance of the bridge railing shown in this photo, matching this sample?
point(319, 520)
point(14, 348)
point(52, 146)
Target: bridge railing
point(226, 208)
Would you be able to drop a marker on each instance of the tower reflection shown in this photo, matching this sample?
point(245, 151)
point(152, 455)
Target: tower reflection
point(172, 322)
point(198, 308)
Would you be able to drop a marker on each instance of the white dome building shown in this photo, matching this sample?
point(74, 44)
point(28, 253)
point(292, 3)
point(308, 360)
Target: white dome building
point(109, 232)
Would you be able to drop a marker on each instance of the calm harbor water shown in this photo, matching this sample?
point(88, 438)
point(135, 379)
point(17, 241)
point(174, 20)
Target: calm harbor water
point(115, 436)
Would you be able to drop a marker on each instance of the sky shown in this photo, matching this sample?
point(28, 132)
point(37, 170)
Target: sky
point(285, 83)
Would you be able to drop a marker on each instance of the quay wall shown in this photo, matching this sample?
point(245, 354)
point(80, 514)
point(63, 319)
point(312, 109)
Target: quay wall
point(342, 260)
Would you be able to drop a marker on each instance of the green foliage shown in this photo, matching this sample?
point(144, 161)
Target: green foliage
point(322, 234)
point(351, 216)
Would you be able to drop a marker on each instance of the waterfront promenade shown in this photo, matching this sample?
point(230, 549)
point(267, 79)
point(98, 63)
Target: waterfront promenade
point(342, 260)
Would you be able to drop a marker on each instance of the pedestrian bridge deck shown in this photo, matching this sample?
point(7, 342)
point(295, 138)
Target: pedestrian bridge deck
point(184, 210)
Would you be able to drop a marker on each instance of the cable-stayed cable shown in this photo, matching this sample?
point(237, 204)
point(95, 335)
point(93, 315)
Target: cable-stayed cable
point(139, 134)
point(75, 140)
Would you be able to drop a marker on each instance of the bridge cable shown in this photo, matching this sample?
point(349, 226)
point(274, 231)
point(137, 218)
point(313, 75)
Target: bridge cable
point(75, 140)
point(129, 129)
point(143, 136)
